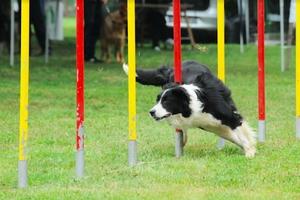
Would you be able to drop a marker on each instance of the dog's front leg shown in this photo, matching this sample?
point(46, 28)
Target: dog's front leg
point(184, 134)
point(243, 136)
point(119, 57)
point(119, 53)
point(185, 137)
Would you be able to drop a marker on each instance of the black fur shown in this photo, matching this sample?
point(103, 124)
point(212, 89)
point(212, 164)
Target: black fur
point(214, 95)
point(216, 99)
point(165, 75)
point(176, 100)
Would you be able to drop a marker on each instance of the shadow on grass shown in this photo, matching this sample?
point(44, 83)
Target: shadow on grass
point(208, 150)
point(194, 151)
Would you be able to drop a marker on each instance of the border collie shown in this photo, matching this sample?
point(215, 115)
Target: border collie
point(203, 101)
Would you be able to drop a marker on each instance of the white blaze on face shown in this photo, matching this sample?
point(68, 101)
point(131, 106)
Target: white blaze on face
point(159, 110)
point(195, 104)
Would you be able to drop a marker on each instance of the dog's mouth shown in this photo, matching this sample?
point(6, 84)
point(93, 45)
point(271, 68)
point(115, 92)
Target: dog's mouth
point(163, 117)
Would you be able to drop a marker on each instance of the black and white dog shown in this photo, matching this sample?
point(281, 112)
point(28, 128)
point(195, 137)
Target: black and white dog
point(203, 101)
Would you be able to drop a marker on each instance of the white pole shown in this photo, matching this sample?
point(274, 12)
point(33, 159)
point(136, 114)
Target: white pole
point(47, 33)
point(12, 33)
point(247, 21)
point(240, 11)
point(179, 143)
point(282, 35)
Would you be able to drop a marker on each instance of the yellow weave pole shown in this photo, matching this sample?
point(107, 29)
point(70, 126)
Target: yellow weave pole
point(132, 149)
point(23, 134)
point(221, 50)
point(221, 40)
point(297, 69)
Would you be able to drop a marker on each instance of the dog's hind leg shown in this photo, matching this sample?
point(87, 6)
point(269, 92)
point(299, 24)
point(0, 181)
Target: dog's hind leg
point(103, 50)
point(247, 138)
point(243, 136)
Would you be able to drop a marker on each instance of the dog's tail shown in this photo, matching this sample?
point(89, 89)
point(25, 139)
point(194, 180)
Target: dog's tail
point(125, 69)
point(155, 77)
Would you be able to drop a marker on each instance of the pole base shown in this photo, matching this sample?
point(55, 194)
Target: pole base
point(298, 127)
point(80, 163)
point(261, 130)
point(221, 144)
point(178, 143)
point(132, 153)
point(22, 174)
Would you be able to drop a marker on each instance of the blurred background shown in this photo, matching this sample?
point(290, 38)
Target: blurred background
point(200, 17)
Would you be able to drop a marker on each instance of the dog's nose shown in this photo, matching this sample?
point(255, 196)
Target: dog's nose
point(152, 112)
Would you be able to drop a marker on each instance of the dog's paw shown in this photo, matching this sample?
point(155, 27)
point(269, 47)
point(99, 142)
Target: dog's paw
point(250, 152)
point(125, 68)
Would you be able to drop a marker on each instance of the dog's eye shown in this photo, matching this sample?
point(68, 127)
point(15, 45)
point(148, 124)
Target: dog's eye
point(164, 99)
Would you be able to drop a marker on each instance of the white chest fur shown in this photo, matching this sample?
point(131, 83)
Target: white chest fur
point(196, 120)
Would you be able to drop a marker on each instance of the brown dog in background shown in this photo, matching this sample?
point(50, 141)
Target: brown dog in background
point(113, 34)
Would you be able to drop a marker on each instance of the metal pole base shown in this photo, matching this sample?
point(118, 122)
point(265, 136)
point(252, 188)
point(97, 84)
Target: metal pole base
point(221, 144)
point(22, 174)
point(80, 163)
point(298, 127)
point(178, 143)
point(132, 153)
point(261, 130)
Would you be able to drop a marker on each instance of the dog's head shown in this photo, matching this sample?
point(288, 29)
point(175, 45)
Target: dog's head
point(119, 17)
point(115, 22)
point(123, 10)
point(173, 100)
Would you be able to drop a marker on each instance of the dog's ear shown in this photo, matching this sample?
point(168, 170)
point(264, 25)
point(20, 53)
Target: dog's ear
point(182, 94)
point(169, 85)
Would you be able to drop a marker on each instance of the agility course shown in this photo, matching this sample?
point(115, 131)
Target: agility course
point(80, 88)
point(297, 69)
point(177, 67)
point(23, 134)
point(261, 70)
point(132, 146)
point(203, 172)
point(22, 166)
point(221, 49)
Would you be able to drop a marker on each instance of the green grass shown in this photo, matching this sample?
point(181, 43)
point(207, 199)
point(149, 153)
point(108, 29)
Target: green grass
point(203, 173)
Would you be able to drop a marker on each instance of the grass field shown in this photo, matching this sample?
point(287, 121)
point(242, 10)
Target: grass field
point(203, 173)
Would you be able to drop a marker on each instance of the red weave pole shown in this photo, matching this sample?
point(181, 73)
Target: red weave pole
point(261, 58)
point(177, 67)
point(80, 73)
point(177, 41)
